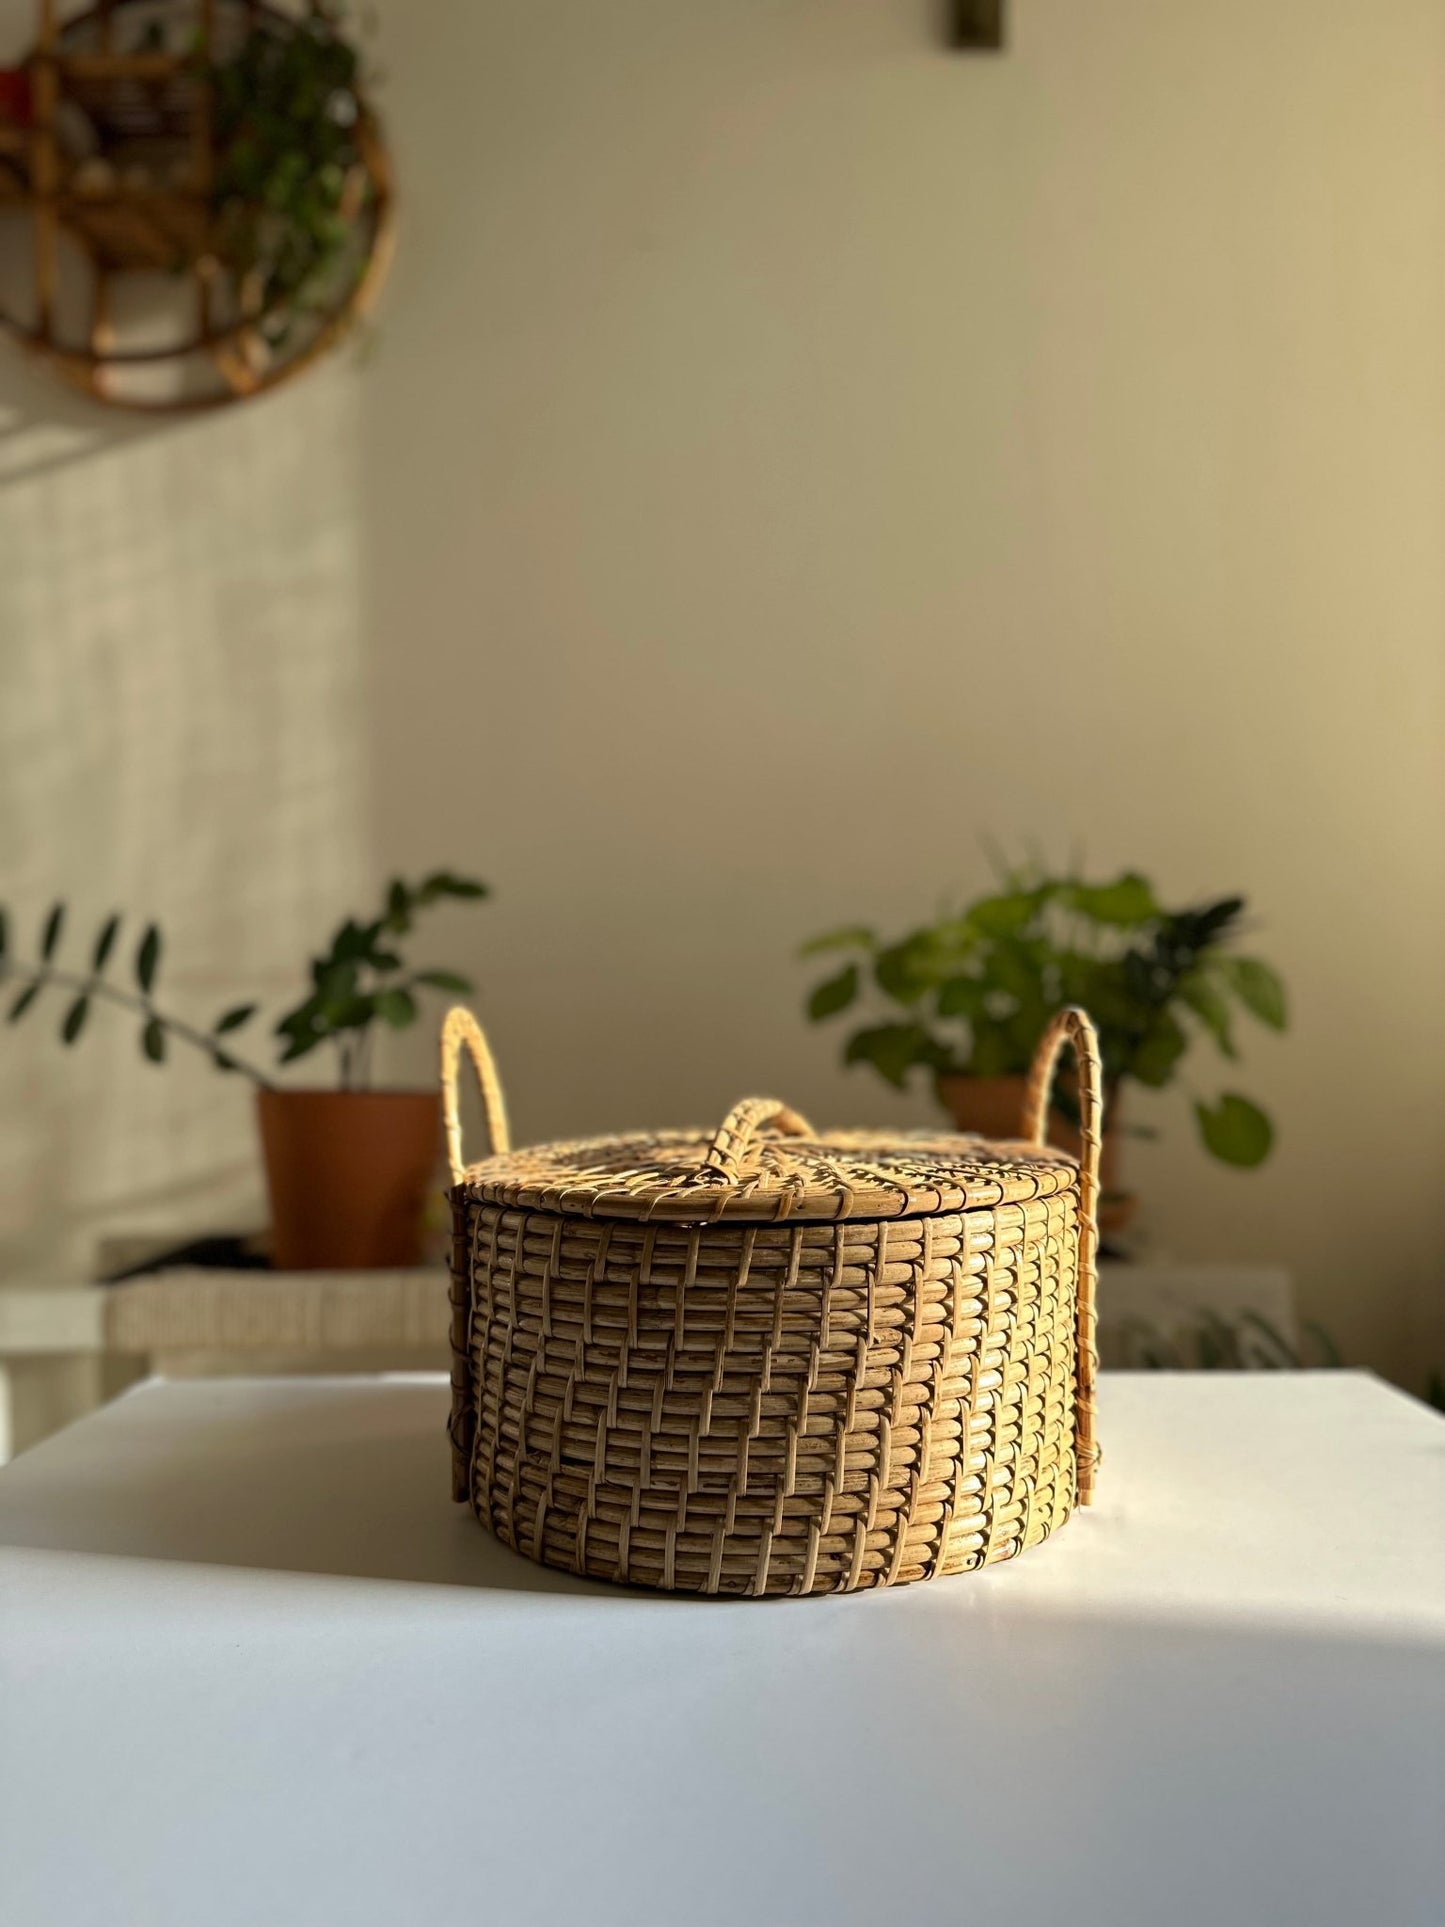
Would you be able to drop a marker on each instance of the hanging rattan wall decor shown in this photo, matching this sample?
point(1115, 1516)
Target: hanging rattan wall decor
point(195, 198)
point(771, 1360)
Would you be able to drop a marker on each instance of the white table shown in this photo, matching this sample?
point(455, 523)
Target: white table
point(256, 1668)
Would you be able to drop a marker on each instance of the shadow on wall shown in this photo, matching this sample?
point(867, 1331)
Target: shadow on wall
point(41, 435)
point(179, 739)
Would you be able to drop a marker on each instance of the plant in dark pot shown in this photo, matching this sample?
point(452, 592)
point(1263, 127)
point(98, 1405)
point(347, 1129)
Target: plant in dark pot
point(348, 1168)
point(972, 993)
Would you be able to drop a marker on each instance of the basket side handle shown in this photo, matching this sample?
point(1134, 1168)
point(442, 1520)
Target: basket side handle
point(1073, 1026)
point(733, 1139)
point(460, 1028)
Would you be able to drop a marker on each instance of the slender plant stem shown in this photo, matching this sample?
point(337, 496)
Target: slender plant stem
point(98, 987)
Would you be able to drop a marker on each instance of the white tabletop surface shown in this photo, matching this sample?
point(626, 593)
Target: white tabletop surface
point(256, 1668)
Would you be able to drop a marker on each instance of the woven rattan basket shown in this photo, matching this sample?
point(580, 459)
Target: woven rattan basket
point(773, 1361)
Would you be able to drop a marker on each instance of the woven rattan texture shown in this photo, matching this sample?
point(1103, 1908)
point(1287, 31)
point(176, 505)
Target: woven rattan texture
point(681, 1176)
point(764, 1408)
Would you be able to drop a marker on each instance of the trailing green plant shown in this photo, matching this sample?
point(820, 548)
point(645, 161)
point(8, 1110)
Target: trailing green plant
point(1248, 1342)
point(360, 981)
point(976, 989)
point(289, 178)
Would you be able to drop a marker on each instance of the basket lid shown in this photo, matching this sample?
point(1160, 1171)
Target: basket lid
point(765, 1164)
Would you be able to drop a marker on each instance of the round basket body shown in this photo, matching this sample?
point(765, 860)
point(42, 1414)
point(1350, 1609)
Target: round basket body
point(802, 1365)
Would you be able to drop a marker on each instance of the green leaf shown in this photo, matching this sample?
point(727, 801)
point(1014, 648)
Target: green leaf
point(443, 883)
point(445, 980)
point(398, 908)
point(300, 1045)
point(153, 1041)
point(105, 943)
point(352, 1013)
point(303, 1021)
point(1017, 967)
point(892, 1050)
point(1207, 927)
point(893, 974)
point(994, 1054)
point(1236, 1131)
point(1211, 1008)
point(834, 994)
point(1154, 1059)
point(1001, 916)
point(855, 936)
point(1104, 989)
point(905, 971)
point(233, 1019)
point(50, 936)
point(147, 957)
point(23, 1002)
point(396, 1007)
point(352, 944)
point(1259, 989)
point(1124, 903)
point(963, 997)
point(75, 1020)
point(336, 983)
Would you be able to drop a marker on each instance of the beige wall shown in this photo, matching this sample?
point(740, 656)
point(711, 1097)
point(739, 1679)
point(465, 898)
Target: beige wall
point(789, 452)
point(792, 451)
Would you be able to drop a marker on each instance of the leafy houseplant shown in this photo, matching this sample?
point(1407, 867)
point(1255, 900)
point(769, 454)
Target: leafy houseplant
point(1211, 1342)
point(974, 991)
point(290, 176)
point(347, 1169)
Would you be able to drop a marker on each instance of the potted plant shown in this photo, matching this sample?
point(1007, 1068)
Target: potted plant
point(972, 993)
point(347, 1168)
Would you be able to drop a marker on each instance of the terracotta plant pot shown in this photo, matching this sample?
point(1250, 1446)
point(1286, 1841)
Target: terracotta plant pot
point(993, 1107)
point(348, 1173)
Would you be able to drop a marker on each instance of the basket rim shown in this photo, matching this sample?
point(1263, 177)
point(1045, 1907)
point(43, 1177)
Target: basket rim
point(830, 1178)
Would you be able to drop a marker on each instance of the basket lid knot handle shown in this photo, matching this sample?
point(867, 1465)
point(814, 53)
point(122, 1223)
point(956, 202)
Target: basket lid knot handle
point(459, 1028)
point(735, 1138)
